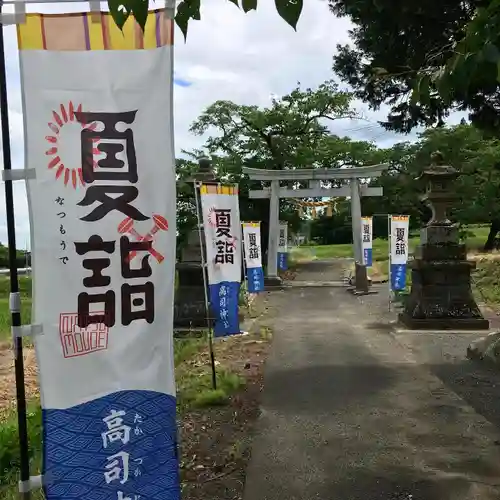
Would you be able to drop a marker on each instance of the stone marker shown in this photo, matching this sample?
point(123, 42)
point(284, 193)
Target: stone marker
point(190, 306)
point(441, 295)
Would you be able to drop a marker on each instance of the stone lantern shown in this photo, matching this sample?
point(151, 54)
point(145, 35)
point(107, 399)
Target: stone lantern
point(441, 295)
point(439, 194)
point(190, 306)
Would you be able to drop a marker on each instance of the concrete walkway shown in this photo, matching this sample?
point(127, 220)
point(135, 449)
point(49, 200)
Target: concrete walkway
point(351, 411)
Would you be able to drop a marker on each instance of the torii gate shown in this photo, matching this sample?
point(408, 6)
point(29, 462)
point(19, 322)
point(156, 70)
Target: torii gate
point(314, 176)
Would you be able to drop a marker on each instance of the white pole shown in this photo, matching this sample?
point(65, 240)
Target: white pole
point(272, 248)
point(356, 221)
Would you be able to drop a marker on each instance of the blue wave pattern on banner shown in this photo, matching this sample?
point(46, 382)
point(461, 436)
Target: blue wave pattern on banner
point(282, 261)
point(255, 277)
point(224, 303)
point(130, 436)
point(368, 253)
point(398, 276)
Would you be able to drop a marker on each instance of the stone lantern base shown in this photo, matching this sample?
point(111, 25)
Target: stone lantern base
point(190, 307)
point(272, 282)
point(441, 295)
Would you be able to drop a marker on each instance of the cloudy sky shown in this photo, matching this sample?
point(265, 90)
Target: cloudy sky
point(245, 58)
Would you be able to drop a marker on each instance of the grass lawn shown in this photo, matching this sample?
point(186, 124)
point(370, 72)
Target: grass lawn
point(474, 242)
point(25, 291)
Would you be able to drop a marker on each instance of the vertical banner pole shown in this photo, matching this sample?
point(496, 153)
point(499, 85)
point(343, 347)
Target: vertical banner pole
point(243, 255)
point(389, 236)
point(205, 285)
point(14, 284)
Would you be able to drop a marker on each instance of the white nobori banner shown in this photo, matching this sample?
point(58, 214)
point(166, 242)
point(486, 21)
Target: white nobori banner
point(367, 240)
point(283, 246)
point(99, 135)
point(221, 222)
point(253, 256)
point(400, 225)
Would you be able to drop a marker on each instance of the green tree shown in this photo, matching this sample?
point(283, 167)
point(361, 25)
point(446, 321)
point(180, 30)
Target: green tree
point(478, 188)
point(290, 133)
point(478, 159)
point(401, 193)
point(187, 10)
point(423, 59)
point(334, 230)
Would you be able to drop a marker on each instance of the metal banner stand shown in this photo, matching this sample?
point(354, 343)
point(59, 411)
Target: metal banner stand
point(15, 301)
point(197, 186)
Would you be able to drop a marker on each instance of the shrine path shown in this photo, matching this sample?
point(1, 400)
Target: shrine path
point(353, 411)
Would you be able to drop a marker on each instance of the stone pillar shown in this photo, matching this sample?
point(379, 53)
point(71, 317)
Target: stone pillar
point(360, 276)
point(272, 279)
point(441, 295)
point(190, 306)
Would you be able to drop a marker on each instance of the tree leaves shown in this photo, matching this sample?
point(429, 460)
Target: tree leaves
point(249, 5)
point(290, 11)
point(456, 46)
point(187, 10)
point(120, 10)
point(140, 11)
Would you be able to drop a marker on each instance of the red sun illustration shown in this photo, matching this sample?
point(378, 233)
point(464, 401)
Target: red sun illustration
point(66, 129)
point(212, 217)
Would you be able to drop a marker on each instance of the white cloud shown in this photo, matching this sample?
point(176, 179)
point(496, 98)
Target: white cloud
point(246, 58)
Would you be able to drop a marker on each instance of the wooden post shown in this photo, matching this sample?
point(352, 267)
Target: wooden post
point(361, 279)
point(272, 278)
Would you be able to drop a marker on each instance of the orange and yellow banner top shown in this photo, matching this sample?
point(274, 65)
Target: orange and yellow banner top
point(400, 218)
point(93, 31)
point(218, 189)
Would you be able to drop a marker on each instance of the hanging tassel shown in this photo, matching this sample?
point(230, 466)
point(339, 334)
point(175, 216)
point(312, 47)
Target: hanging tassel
point(314, 212)
point(329, 211)
point(301, 211)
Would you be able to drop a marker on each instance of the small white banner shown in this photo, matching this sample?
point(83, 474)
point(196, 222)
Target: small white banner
point(399, 250)
point(251, 238)
point(283, 238)
point(283, 246)
point(399, 239)
point(221, 222)
point(367, 240)
point(253, 256)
